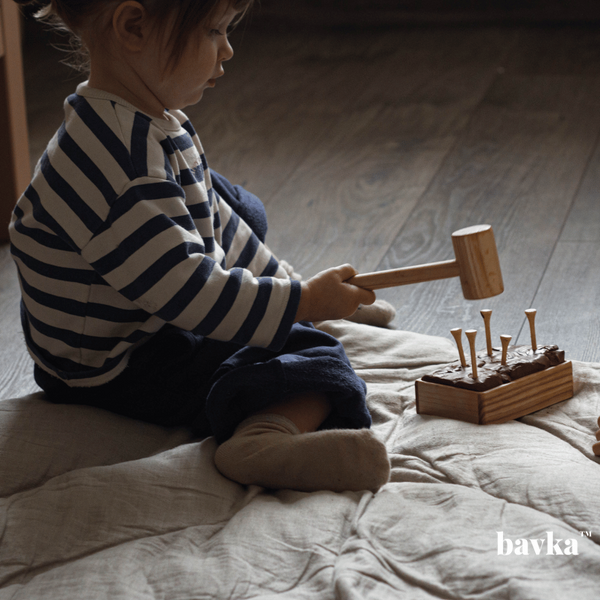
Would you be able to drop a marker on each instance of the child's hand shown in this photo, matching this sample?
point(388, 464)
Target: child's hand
point(327, 295)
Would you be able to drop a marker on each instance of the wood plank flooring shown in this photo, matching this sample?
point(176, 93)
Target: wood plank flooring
point(371, 147)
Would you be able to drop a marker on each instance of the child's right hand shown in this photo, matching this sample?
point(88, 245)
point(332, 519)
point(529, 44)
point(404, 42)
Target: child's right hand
point(327, 295)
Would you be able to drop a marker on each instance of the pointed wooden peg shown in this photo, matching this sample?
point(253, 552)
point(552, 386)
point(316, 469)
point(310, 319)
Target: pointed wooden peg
point(456, 334)
point(505, 340)
point(471, 334)
point(531, 312)
point(487, 315)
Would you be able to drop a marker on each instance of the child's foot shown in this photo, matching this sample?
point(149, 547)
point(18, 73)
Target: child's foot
point(268, 450)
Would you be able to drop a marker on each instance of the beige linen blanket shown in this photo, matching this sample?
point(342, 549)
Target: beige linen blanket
point(95, 506)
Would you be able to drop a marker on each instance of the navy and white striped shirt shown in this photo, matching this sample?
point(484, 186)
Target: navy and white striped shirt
point(121, 232)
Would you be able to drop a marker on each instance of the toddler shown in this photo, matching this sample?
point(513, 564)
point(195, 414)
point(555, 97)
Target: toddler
point(147, 288)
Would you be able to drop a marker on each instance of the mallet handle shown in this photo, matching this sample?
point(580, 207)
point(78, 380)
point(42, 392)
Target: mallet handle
point(406, 275)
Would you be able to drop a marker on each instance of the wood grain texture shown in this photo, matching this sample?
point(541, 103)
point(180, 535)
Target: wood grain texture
point(353, 191)
point(582, 224)
point(386, 12)
point(297, 96)
point(568, 301)
point(517, 166)
point(16, 367)
point(569, 294)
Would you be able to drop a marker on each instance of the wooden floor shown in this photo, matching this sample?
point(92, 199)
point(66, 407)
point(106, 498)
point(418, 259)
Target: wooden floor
point(373, 147)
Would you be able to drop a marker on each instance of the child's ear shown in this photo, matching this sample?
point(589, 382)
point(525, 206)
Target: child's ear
point(129, 23)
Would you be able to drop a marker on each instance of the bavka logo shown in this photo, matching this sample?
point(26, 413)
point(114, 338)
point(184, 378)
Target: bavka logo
point(547, 545)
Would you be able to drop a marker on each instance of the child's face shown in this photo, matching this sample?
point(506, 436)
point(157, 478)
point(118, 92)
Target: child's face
point(183, 82)
point(135, 63)
point(200, 64)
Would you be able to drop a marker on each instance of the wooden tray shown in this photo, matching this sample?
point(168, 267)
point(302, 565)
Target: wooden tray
point(503, 403)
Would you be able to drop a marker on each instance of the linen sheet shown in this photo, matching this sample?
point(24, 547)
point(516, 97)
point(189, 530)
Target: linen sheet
point(94, 506)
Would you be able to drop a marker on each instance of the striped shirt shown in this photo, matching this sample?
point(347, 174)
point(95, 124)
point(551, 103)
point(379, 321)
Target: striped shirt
point(120, 232)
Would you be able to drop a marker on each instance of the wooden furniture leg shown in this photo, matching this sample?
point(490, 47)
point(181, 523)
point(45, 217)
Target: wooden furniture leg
point(15, 172)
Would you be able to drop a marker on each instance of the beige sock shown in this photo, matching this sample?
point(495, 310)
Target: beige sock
point(269, 450)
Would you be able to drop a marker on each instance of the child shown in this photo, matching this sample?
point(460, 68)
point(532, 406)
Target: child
point(147, 288)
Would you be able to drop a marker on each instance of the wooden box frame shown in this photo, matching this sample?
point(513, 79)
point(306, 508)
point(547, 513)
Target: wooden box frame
point(498, 405)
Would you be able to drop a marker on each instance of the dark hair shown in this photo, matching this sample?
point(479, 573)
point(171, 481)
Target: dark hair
point(69, 16)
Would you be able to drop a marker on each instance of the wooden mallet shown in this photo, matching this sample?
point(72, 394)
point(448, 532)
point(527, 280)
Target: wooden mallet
point(476, 264)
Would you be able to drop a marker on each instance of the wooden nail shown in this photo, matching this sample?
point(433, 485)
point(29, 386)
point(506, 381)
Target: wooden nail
point(487, 315)
point(505, 340)
point(471, 334)
point(531, 312)
point(456, 334)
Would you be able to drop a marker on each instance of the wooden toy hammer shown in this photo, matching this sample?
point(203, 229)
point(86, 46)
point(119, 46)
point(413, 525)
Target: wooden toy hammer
point(476, 264)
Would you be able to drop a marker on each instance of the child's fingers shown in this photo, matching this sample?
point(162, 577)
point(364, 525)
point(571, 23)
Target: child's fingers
point(346, 271)
point(366, 297)
point(327, 295)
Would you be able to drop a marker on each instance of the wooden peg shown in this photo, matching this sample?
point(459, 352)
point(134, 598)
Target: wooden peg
point(471, 334)
point(456, 334)
point(505, 340)
point(487, 315)
point(531, 312)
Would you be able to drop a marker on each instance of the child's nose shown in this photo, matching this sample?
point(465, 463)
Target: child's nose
point(226, 51)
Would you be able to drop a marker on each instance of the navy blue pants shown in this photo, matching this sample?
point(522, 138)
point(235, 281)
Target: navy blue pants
point(178, 379)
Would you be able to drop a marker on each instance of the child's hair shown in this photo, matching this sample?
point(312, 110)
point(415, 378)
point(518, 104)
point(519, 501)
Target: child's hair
point(70, 16)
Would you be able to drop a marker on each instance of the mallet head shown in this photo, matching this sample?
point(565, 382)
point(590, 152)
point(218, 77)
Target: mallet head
point(477, 259)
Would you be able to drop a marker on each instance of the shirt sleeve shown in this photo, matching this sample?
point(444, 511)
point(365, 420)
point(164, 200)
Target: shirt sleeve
point(230, 289)
point(243, 248)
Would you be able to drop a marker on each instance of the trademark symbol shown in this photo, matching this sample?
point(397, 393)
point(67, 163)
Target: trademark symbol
point(585, 534)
